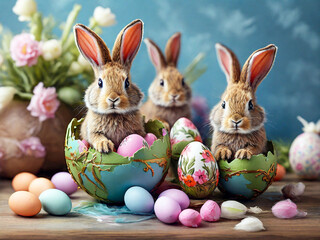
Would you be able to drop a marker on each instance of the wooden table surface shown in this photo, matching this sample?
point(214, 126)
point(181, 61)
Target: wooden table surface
point(75, 226)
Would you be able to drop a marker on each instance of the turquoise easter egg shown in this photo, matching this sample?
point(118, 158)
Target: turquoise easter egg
point(107, 177)
point(55, 202)
point(245, 178)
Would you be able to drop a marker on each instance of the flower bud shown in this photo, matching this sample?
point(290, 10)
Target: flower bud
point(51, 49)
point(233, 210)
point(287, 209)
point(104, 17)
point(6, 96)
point(25, 9)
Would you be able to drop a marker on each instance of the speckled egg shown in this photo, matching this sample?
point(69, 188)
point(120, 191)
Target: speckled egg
point(197, 170)
point(304, 155)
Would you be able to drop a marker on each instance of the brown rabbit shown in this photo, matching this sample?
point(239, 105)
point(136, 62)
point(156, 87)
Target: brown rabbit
point(238, 121)
point(169, 95)
point(112, 100)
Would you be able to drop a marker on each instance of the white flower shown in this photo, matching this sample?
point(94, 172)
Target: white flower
point(233, 210)
point(51, 49)
point(84, 63)
point(6, 96)
point(75, 68)
point(250, 224)
point(104, 17)
point(25, 9)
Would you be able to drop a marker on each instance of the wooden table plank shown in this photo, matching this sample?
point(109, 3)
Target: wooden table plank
point(75, 226)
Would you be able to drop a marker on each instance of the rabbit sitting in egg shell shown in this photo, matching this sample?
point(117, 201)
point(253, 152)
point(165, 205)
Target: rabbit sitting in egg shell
point(238, 123)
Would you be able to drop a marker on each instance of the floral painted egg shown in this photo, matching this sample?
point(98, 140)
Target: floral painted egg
point(107, 177)
point(245, 178)
point(182, 133)
point(197, 170)
point(304, 154)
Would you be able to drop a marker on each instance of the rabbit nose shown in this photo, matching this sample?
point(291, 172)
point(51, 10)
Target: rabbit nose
point(237, 122)
point(113, 100)
point(175, 96)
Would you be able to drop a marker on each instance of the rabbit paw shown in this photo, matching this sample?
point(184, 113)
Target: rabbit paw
point(105, 146)
point(223, 153)
point(243, 153)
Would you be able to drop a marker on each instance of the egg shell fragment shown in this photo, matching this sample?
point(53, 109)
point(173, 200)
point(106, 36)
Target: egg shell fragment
point(22, 181)
point(177, 195)
point(38, 185)
point(210, 211)
point(55, 202)
point(64, 182)
point(131, 144)
point(139, 200)
point(24, 203)
point(167, 210)
point(190, 218)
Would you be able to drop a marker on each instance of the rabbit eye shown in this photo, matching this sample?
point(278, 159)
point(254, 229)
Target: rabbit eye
point(223, 105)
point(126, 83)
point(250, 105)
point(161, 82)
point(100, 83)
point(183, 83)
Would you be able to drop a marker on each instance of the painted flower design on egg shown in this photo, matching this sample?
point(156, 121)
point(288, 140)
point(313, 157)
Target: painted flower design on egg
point(197, 170)
point(184, 130)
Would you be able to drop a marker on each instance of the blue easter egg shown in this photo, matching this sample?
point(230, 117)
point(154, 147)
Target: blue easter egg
point(139, 200)
point(55, 202)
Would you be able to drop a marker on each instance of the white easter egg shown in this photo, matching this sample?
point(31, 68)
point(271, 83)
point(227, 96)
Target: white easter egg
point(197, 170)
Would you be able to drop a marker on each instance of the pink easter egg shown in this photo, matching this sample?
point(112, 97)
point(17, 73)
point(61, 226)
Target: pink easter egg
point(167, 210)
point(150, 138)
point(177, 195)
point(64, 182)
point(131, 144)
point(190, 218)
point(210, 211)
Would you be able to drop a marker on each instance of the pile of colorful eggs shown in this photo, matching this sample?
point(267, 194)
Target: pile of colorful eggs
point(34, 193)
point(171, 206)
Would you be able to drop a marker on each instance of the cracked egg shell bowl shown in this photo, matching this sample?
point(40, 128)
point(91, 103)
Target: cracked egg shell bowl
point(245, 178)
point(107, 177)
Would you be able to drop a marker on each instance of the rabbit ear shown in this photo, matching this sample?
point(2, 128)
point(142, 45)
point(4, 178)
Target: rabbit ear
point(173, 49)
point(258, 65)
point(127, 43)
point(91, 46)
point(228, 63)
point(155, 54)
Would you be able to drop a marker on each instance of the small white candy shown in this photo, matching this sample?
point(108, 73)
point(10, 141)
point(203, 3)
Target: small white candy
point(250, 224)
point(233, 210)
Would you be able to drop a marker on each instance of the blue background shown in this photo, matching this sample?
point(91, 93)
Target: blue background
point(292, 87)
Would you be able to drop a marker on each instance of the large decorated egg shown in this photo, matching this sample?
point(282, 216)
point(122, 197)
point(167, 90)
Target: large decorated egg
point(248, 178)
point(182, 133)
point(304, 154)
point(108, 176)
point(197, 170)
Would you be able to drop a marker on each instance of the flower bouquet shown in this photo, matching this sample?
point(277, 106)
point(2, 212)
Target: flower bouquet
point(40, 76)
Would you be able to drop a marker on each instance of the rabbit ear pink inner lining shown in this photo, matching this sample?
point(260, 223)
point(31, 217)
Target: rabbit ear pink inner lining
point(225, 61)
point(174, 49)
point(261, 64)
point(130, 42)
point(87, 45)
point(154, 56)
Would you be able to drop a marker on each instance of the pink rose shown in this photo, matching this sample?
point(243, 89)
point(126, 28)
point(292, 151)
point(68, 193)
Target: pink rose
point(200, 176)
point(25, 50)
point(33, 147)
point(299, 167)
point(44, 102)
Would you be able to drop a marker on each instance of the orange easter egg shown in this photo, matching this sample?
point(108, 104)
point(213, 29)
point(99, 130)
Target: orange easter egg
point(39, 185)
point(22, 181)
point(24, 203)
